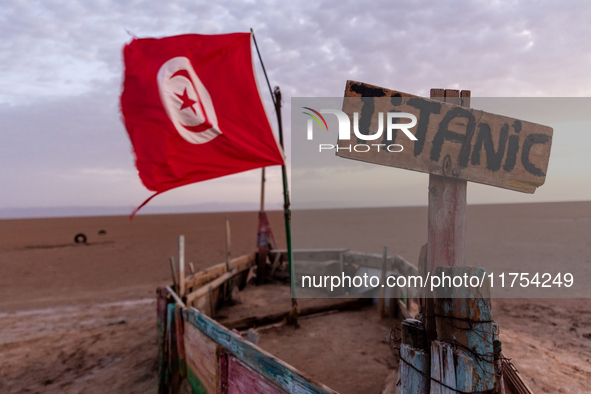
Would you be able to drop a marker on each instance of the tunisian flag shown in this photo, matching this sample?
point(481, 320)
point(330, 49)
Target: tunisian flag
point(193, 111)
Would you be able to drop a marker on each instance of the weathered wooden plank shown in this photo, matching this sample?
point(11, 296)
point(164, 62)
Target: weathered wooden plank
point(228, 244)
point(309, 254)
point(447, 222)
point(413, 334)
point(442, 369)
point(243, 380)
point(404, 267)
point(162, 339)
point(514, 383)
point(173, 363)
point(447, 210)
point(274, 370)
point(180, 341)
point(223, 370)
point(464, 316)
point(205, 289)
point(262, 320)
point(404, 312)
point(202, 360)
point(202, 277)
point(452, 141)
point(175, 297)
point(175, 281)
point(465, 370)
point(411, 380)
point(382, 299)
point(182, 289)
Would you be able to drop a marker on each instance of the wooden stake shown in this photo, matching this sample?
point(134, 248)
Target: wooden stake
point(263, 179)
point(228, 244)
point(214, 284)
point(174, 274)
point(447, 208)
point(412, 381)
point(464, 318)
point(181, 266)
point(382, 299)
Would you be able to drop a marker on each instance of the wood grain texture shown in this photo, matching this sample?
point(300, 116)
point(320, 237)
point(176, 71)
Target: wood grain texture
point(452, 140)
point(202, 359)
point(243, 380)
point(180, 340)
point(446, 222)
point(464, 317)
point(214, 284)
point(202, 277)
point(447, 209)
point(263, 320)
point(279, 373)
point(411, 381)
point(173, 359)
point(182, 289)
point(161, 338)
point(442, 369)
point(465, 370)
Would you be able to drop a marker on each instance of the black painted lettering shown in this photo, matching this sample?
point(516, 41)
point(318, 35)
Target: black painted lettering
point(513, 148)
point(527, 145)
point(367, 93)
point(367, 110)
point(493, 159)
point(426, 108)
point(444, 134)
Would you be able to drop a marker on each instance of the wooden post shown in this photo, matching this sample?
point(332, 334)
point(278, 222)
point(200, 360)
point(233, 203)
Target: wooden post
point(412, 381)
point(173, 272)
point(443, 371)
point(181, 266)
point(382, 299)
point(464, 318)
point(228, 244)
point(162, 338)
point(446, 218)
point(263, 179)
point(447, 208)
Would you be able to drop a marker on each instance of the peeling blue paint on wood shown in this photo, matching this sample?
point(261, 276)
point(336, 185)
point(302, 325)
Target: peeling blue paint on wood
point(464, 317)
point(274, 370)
point(411, 381)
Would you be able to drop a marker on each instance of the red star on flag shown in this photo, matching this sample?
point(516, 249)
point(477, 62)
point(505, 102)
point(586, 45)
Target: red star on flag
point(187, 102)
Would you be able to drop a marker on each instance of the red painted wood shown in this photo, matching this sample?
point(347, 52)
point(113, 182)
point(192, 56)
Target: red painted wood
point(242, 380)
point(447, 222)
point(223, 370)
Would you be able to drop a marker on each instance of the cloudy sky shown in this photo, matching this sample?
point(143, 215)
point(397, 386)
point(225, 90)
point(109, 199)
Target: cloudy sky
point(63, 143)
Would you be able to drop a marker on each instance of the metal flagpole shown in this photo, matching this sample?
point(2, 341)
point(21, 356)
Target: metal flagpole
point(276, 97)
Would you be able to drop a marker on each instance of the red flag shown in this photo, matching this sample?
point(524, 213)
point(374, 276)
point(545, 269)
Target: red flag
point(193, 111)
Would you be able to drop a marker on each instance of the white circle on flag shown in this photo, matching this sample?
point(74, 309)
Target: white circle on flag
point(187, 102)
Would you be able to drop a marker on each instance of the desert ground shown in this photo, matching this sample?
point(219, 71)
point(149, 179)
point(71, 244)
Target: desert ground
point(80, 318)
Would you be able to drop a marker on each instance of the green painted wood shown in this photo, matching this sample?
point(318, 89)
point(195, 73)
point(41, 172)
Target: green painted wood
point(161, 327)
point(173, 363)
point(180, 342)
point(196, 385)
point(270, 368)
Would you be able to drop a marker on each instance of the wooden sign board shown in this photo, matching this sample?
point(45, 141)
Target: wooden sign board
point(452, 140)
